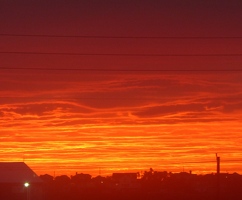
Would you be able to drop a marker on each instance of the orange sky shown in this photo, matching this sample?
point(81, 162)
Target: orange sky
point(62, 119)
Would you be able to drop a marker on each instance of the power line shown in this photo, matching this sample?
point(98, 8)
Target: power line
point(119, 37)
point(226, 162)
point(119, 70)
point(240, 160)
point(66, 97)
point(114, 98)
point(205, 161)
point(119, 54)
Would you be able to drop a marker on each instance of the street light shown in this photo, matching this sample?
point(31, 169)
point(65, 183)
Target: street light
point(26, 185)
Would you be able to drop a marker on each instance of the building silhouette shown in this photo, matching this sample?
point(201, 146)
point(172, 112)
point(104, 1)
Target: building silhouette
point(18, 181)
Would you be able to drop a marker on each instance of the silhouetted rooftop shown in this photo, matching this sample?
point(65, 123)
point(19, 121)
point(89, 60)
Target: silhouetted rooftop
point(17, 172)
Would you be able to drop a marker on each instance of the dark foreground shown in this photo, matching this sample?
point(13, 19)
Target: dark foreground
point(130, 186)
point(152, 186)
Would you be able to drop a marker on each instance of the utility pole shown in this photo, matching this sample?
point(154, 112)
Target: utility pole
point(218, 176)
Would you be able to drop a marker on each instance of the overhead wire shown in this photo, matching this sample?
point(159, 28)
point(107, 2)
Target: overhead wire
point(118, 54)
point(118, 37)
point(108, 98)
point(118, 70)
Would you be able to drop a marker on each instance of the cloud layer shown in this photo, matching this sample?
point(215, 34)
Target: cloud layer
point(130, 121)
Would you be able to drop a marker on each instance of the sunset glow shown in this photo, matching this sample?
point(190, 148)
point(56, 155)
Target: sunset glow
point(63, 114)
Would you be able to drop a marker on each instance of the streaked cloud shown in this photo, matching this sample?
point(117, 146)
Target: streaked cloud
point(120, 121)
